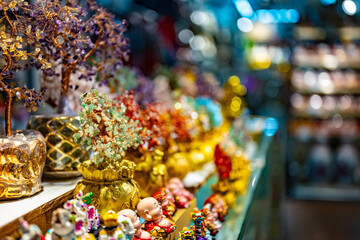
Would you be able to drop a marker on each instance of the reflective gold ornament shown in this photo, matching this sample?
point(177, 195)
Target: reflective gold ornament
point(111, 183)
point(240, 172)
point(224, 188)
point(63, 154)
point(22, 159)
point(150, 173)
point(178, 165)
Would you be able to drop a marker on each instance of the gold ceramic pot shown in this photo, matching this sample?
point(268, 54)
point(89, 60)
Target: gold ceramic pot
point(111, 183)
point(63, 153)
point(22, 159)
point(150, 173)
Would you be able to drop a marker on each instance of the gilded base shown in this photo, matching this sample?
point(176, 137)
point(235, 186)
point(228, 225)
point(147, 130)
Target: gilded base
point(111, 184)
point(22, 159)
point(63, 154)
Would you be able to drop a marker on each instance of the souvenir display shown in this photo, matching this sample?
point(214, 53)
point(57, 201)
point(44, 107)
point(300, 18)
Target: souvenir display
point(119, 144)
point(155, 222)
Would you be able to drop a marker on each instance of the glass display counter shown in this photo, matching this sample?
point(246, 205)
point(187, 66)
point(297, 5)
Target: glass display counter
point(253, 208)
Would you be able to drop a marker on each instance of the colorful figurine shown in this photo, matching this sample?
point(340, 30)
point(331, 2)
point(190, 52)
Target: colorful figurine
point(86, 216)
point(199, 226)
point(186, 234)
point(182, 196)
point(168, 207)
point(218, 206)
point(116, 228)
point(63, 226)
point(212, 224)
point(139, 233)
point(29, 231)
point(155, 222)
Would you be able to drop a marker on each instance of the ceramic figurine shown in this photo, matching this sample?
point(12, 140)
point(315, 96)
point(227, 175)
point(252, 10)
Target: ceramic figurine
point(186, 234)
point(116, 228)
point(218, 206)
point(62, 226)
point(29, 231)
point(199, 226)
point(139, 233)
point(93, 216)
point(182, 196)
point(212, 224)
point(79, 215)
point(168, 207)
point(155, 222)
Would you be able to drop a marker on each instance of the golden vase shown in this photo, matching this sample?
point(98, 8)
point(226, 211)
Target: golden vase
point(111, 183)
point(63, 153)
point(22, 159)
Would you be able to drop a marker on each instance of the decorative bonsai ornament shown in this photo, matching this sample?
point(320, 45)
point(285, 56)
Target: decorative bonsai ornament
point(85, 45)
point(22, 153)
point(110, 134)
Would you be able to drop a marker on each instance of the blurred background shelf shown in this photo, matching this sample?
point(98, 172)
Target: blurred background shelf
point(327, 192)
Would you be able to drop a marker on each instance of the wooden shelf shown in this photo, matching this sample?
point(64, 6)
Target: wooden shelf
point(37, 208)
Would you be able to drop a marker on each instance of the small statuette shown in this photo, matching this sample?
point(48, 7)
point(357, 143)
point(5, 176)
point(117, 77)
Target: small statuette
point(155, 221)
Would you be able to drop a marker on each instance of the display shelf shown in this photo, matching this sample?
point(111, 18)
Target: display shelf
point(234, 226)
point(36, 209)
point(354, 66)
point(327, 192)
point(319, 92)
point(319, 115)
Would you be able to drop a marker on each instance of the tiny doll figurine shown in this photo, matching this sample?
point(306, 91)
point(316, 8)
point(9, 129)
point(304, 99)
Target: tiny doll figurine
point(155, 222)
point(218, 206)
point(29, 231)
point(168, 207)
point(139, 233)
point(186, 234)
point(211, 222)
point(63, 227)
point(87, 217)
point(199, 227)
point(182, 196)
point(113, 230)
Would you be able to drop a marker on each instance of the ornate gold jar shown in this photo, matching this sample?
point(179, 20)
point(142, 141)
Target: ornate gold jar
point(63, 153)
point(111, 183)
point(22, 159)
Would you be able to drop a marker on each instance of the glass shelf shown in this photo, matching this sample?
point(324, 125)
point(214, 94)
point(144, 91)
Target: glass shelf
point(234, 226)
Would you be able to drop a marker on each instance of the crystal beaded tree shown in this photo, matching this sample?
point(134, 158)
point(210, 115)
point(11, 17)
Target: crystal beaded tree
point(106, 128)
point(91, 43)
point(18, 44)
